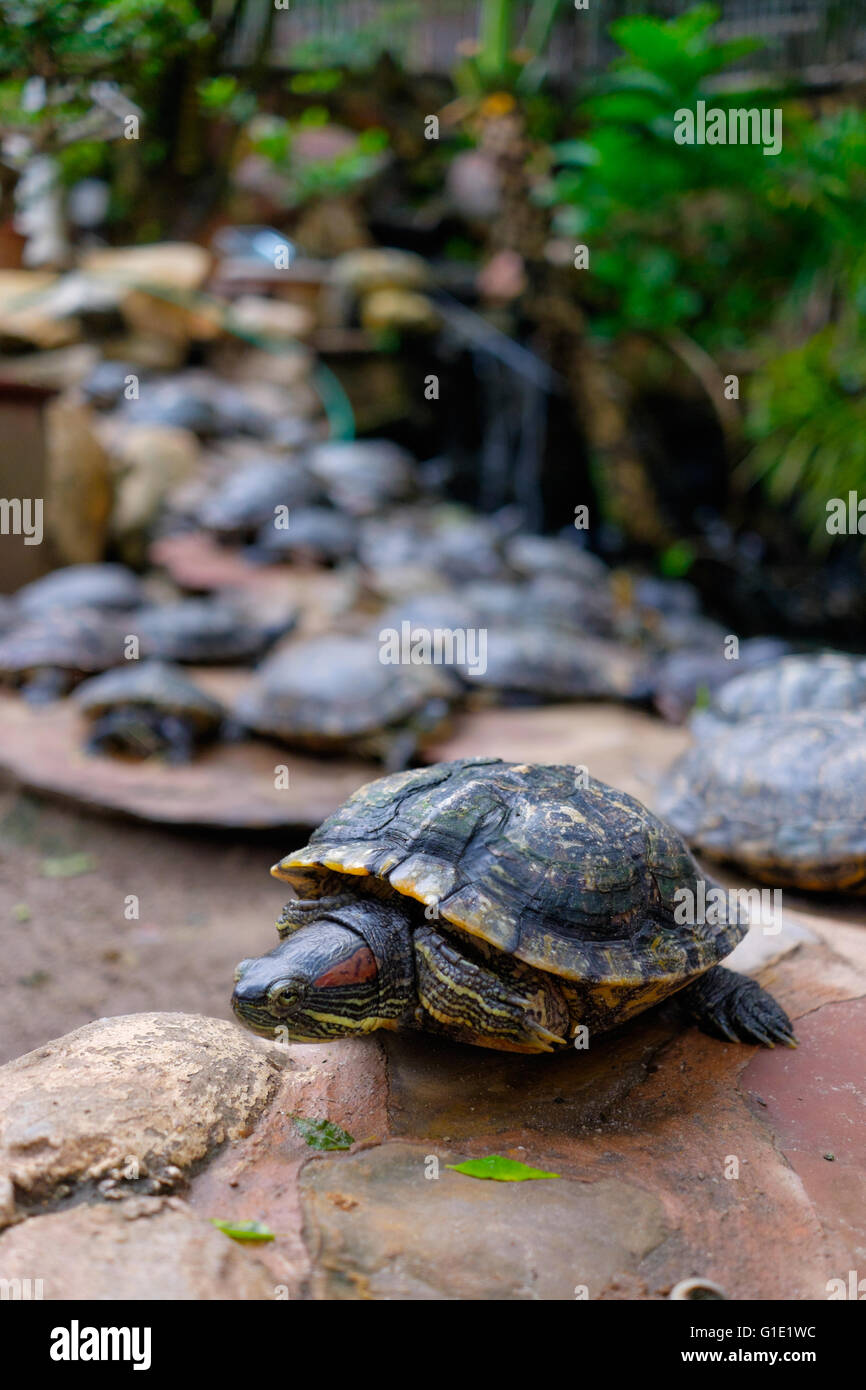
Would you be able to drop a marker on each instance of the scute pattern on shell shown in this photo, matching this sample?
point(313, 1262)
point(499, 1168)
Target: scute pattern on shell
point(784, 797)
point(577, 881)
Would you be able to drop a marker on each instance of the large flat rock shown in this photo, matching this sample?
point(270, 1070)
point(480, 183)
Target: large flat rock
point(227, 785)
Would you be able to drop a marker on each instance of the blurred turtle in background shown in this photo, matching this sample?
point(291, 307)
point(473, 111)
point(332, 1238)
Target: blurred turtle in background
point(417, 549)
point(313, 535)
point(333, 694)
point(147, 709)
point(782, 795)
point(362, 476)
point(204, 631)
point(506, 644)
point(829, 681)
point(100, 586)
point(250, 498)
point(47, 655)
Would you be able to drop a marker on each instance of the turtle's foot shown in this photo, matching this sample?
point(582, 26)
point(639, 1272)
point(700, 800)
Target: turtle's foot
point(733, 1007)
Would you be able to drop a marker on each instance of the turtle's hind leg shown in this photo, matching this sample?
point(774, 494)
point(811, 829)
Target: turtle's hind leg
point(733, 1007)
point(498, 1004)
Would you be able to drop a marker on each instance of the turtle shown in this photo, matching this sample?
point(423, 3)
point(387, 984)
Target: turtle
point(499, 904)
point(319, 535)
point(361, 476)
point(780, 795)
point(534, 664)
point(198, 401)
point(497, 641)
point(204, 631)
point(251, 496)
point(147, 709)
point(413, 548)
point(334, 693)
point(549, 599)
point(46, 656)
point(683, 678)
point(108, 586)
point(822, 681)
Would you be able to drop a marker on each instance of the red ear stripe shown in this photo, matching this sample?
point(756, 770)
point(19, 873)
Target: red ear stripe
point(361, 965)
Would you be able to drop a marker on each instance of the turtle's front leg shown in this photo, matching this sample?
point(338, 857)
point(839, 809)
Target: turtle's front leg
point(499, 1004)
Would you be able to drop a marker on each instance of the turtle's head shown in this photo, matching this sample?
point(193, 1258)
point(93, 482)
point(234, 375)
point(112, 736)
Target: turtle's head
point(328, 979)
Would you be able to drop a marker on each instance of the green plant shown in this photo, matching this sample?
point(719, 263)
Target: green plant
point(719, 250)
point(274, 138)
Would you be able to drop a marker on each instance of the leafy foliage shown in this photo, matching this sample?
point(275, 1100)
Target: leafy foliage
point(737, 250)
point(322, 1134)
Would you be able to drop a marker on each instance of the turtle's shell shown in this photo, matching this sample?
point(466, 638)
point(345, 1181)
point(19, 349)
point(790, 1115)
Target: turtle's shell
point(782, 796)
point(360, 476)
point(546, 663)
point(151, 685)
point(247, 499)
point(80, 586)
point(335, 687)
point(199, 630)
point(572, 879)
point(79, 641)
point(831, 681)
point(317, 533)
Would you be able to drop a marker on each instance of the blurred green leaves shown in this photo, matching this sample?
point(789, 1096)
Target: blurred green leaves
point(743, 253)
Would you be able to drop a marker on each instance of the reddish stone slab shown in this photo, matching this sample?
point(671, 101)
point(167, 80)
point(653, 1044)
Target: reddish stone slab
point(228, 784)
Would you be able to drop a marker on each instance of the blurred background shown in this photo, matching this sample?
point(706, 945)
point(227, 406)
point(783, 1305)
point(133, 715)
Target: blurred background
point(490, 139)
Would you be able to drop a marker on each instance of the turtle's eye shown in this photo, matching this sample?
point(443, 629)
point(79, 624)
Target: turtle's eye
point(286, 996)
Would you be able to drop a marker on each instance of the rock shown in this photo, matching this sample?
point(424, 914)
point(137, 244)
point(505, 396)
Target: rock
point(173, 265)
point(380, 268)
point(128, 1098)
point(276, 319)
point(23, 315)
point(171, 270)
point(55, 370)
point(383, 1229)
point(146, 1248)
point(404, 311)
point(79, 483)
point(151, 460)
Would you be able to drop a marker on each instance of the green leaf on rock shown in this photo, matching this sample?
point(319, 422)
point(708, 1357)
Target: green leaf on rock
point(68, 866)
point(499, 1169)
point(248, 1232)
point(322, 1134)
